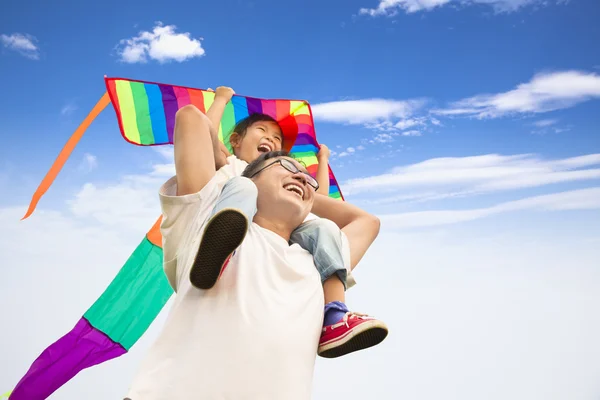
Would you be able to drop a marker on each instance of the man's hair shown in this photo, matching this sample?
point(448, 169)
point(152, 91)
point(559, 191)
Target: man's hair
point(258, 163)
point(242, 126)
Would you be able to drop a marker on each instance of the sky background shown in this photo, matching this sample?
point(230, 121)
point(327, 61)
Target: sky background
point(469, 127)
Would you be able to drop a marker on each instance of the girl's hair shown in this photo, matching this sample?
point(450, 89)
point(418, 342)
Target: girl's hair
point(242, 126)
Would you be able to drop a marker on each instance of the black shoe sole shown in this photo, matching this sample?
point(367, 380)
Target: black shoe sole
point(361, 341)
point(223, 234)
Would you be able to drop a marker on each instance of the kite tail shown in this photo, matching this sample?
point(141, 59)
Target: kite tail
point(65, 153)
point(109, 328)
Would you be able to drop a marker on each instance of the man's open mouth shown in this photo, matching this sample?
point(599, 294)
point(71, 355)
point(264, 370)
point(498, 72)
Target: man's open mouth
point(295, 188)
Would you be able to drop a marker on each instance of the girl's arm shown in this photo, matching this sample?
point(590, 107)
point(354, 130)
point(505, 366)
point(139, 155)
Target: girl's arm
point(323, 170)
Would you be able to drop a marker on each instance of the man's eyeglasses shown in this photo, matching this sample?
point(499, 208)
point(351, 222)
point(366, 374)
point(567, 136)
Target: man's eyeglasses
point(290, 166)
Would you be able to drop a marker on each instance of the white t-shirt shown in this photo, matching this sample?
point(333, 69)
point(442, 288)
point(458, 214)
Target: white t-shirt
point(254, 335)
point(173, 227)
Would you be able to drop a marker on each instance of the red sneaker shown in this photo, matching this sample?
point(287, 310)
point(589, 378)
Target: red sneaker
point(354, 332)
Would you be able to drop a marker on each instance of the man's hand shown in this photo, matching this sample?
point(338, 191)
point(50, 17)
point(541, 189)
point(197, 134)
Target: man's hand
point(360, 227)
point(323, 154)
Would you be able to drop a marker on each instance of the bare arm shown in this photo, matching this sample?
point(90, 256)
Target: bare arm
point(214, 114)
point(323, 170)
point(360, 227)
point(194, 158)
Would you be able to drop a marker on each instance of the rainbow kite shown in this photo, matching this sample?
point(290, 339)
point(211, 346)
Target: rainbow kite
point(114, 323)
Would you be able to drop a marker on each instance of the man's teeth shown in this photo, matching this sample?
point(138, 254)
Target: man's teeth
point(295, 189)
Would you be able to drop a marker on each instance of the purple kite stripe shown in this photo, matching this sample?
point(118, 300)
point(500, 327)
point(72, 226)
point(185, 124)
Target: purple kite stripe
point(303, 138)
point(254, 106)
point(83, 347)
point(170, 103)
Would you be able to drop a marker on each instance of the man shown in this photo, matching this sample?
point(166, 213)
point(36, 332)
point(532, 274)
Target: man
point(254, 335)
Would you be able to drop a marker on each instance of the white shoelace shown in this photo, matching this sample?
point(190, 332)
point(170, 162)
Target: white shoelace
point(349, 315)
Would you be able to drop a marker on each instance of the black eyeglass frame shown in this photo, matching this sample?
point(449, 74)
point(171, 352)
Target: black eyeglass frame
point(291, 167)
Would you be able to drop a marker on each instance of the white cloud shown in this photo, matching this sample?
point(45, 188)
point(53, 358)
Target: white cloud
point(391, 7)
point(545, 122)
point(165, 151)
point(389, 136)
point(163, 44)
point(348, 152)
point(389, 118)
point(409, 123)
point(21, 43)
point(435, 121)
point(584, 199)
point(365, 111)
point(383, 138)
point(478, 174)
point(134, 198)
point(411, 133)
point(68, 109)
point(545, 92)
point(89, 162)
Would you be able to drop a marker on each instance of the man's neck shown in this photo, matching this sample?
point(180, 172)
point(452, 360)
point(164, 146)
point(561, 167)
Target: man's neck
point(280, 228)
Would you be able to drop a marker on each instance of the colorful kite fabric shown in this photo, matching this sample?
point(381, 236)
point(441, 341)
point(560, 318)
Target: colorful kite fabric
point(109, 327)
point(121, 315)
point(146, 113)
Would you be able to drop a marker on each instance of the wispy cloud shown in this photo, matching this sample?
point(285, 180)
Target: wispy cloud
point(459, 176)
point(89, 162)
point(388, 137)
point(366, 111)
point(389, 118)
point(163, 44)
point(545, 92)
point(24, 44)
point(165, 151)
point(584, 199)
point(348, 152)
point(392, 7)
point(68, 109)
point(545, 123)
point(413, 132)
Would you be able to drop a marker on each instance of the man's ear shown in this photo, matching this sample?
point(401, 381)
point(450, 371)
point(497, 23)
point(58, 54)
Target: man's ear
point(235, 139)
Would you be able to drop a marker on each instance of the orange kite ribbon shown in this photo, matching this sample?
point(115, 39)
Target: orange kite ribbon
point(65, 153)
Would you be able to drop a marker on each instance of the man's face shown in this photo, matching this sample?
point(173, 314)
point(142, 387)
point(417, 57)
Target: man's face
point(261, 137)
point(283, 193)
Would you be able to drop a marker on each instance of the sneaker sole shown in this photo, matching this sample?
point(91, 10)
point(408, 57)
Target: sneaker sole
point(366, 335)
point(223, 234)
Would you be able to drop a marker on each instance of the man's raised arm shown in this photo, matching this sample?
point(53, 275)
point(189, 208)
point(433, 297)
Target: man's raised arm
point(360, 227)
point(194, 158)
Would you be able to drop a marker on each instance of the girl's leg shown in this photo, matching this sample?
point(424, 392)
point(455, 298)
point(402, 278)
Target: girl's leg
point(225, 230)
point(343, 331)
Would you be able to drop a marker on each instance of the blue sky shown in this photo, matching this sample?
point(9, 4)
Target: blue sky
point(470, 127)
point(439, 55)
